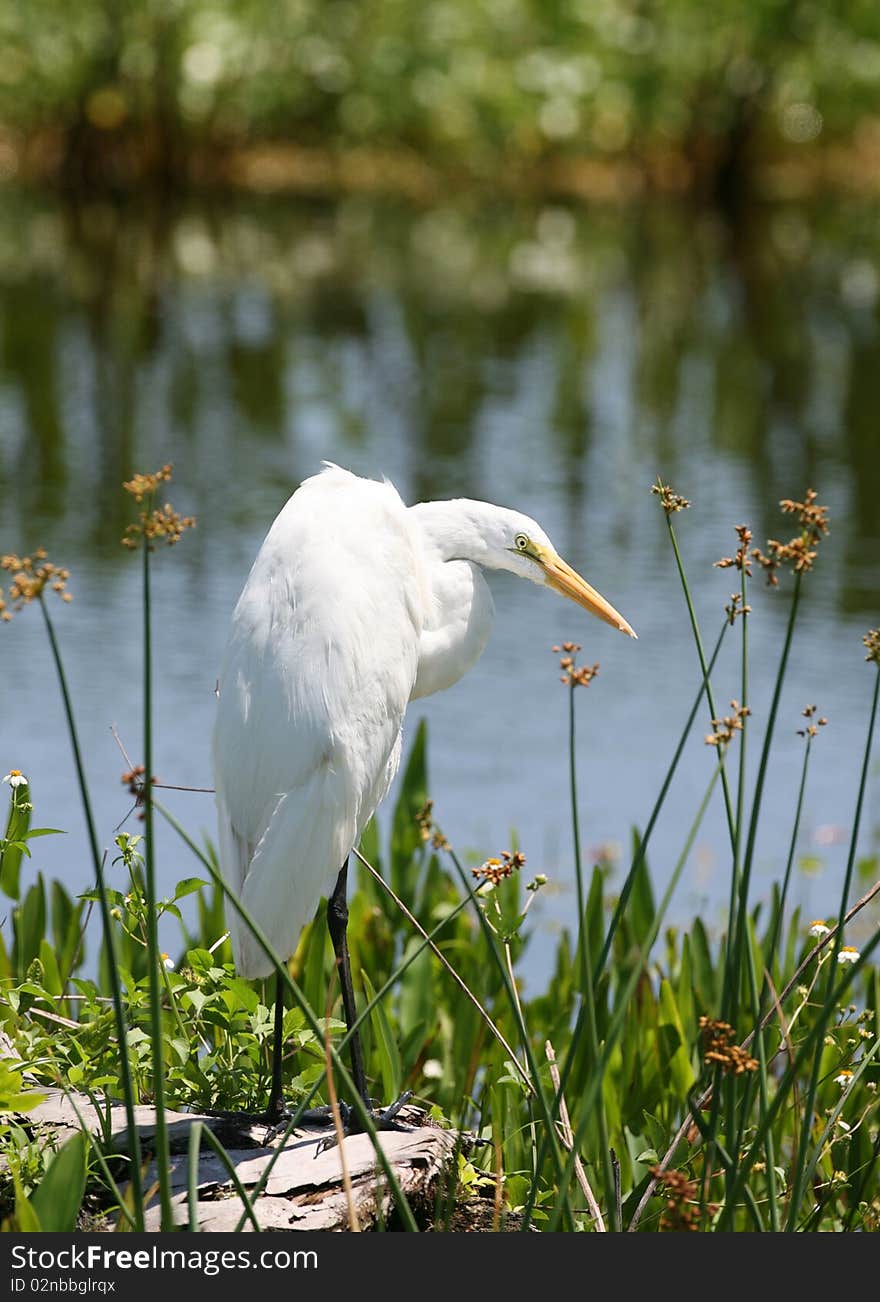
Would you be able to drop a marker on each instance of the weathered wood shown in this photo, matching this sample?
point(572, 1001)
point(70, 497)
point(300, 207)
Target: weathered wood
point(304, 1190)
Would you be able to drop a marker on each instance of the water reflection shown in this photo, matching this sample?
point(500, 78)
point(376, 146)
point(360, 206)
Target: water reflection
point(546, 357)
point(125, 332)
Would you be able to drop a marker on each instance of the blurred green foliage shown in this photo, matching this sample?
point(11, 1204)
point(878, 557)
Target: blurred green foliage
point(467, 80)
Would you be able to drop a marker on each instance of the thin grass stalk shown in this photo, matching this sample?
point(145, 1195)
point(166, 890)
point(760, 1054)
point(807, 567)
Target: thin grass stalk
point(626, 992)
point(575, 829)
point(710, 697)
point(738, 921)
point(568, 1140)
point(107, 922)
point(533, 1147)
point(731, 1083)
point(861, 1068)
point(793, 980)
point(365, 1012)
point(588, 997)
point(248, 1201)
point(639, 857)
point(763, 1096)
point(728, 1163)
point(729, 1011)
point(163, 1153)
point(802, 1169)
point(99, 1157)
point(428, 939)
point(812, 1043)
point(866, 1182)
point(728, 803)
point(550, 1134)
point(772, 941)
point(192, 1175)
point(315, 1026)
point(638, 860)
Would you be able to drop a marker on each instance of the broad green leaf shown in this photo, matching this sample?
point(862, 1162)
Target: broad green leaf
point(406, 837)
point(26, 1218)
point(188, 887)
point(29, 924)
point(13, 848)
point(59, 1197)
point(675, 1057)
point(386, 1046)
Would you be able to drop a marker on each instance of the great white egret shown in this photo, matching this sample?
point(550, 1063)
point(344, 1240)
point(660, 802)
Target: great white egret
point(356, 605)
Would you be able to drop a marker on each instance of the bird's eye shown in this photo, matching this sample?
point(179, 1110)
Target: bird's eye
point(521, 542)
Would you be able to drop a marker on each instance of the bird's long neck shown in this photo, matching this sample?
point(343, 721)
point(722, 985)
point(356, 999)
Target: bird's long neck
point(454, 530)
point(458, 617)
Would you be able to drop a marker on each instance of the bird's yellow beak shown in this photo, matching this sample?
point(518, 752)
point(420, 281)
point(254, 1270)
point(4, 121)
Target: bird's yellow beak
point(563, 579)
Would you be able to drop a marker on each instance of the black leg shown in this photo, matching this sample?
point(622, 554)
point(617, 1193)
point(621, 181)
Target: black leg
point(276, 1109)
point(337, 921)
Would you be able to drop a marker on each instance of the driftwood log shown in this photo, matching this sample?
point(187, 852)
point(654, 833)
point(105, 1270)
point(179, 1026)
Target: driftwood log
point(305, 1187)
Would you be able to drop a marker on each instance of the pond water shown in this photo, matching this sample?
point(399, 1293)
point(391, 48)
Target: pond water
point(546, 357)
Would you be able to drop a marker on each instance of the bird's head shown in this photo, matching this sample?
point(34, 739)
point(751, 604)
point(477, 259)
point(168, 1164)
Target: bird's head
point(501, 539)
point(530, 554)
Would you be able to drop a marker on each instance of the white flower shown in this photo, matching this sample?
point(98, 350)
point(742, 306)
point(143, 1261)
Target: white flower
point(819, 929)
point(849, 954)
point(432, 1069)
point(843, 1078)
point(167, 961)
point(16, 778)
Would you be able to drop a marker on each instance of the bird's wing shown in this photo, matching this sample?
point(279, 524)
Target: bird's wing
point(321, 661)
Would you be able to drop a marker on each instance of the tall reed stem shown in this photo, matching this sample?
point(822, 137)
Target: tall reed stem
point(802, 1169)
point(153, 954)
point(133, 1136)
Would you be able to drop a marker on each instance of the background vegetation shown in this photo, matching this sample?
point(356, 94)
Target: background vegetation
point(110, 90)
point(713, 1083)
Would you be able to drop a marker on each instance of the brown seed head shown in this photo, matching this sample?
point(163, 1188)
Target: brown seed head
point(723, 729)
point(798, 552)
point(154, 523)
point(719, 1048)
point(872, 642)
point(736, 606)
point(669, 500)
point(574, 675)
point(496, 870)
point(141, 486)
point(813, 725)
point(682, 1210)
point(29, 578)
point(741, 559)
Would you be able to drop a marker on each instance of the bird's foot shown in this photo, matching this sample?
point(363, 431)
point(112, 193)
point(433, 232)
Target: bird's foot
point(383, 1119)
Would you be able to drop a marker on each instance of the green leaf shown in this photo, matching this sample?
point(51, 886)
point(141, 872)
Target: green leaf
point(13, 841)
point(29, 926)
point(641, 905)
point(386, 1046)
point(59, 1197)
point(674, 1055)
point(51, 974)
point(189, 886)
point(406, 836)
point(13, 1098)
point(26, 1219)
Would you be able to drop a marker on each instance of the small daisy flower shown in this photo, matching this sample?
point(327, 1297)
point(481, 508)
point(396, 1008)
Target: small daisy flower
point(15, 778)
point(849, 954)
point(167, 961)
point(819, 929)
point(843, 1078)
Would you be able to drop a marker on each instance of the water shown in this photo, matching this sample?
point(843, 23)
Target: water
point(546, 358)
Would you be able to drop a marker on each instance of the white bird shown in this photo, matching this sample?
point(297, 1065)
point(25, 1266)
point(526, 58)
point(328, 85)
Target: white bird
point(356, 605)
